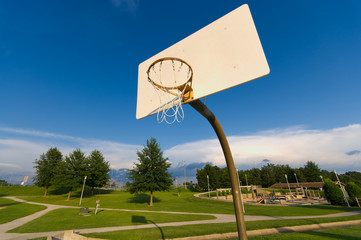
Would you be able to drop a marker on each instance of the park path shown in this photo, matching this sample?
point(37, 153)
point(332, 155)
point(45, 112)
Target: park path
point(219, 218)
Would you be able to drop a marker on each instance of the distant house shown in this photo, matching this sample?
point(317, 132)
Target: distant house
point(309, 185)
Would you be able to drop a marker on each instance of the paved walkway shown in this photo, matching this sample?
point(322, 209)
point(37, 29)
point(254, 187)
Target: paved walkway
point(220, 218)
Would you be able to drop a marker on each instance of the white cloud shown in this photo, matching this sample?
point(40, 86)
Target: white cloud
point(293, 146)
point(129, 5)
point(17, 154)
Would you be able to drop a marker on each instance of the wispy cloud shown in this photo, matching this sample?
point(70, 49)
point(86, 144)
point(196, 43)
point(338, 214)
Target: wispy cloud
point(294, 146)
point(15, 151)
point(128, 5)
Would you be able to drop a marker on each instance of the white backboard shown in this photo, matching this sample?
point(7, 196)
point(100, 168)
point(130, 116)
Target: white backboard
point(224, 54)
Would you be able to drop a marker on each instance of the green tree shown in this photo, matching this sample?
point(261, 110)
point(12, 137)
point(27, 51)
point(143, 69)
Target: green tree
point(267, 176)
point(312, 172)
point(97, 170)
point(353, 190)
point(333, 192)
point(151, 173)
point(46, 168)
point(72, 171)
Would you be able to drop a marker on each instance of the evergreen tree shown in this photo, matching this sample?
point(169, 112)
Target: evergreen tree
point(97, 170)
point(72, 171)
point(46, 168)
point(151, 173)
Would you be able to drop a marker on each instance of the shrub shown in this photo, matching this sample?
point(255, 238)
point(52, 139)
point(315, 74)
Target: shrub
point(333, 193)
point(353, 190)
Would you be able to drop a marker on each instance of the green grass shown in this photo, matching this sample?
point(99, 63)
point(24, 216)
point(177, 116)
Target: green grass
point(169, 201)
point(11, 210)
point(351, 233)
point(63, 219)
point(21, 191)
point(205, 229)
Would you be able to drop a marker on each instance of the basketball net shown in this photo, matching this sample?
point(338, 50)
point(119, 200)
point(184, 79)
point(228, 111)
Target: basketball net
point(172, 80)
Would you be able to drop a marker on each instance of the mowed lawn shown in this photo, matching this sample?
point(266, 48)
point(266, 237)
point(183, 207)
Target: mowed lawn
point(169, 201)
point(64, 219)
point(11, 210)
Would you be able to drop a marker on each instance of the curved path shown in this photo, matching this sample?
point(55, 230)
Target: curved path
point(220, 218)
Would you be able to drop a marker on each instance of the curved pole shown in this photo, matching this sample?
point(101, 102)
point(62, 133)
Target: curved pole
point(205, 112)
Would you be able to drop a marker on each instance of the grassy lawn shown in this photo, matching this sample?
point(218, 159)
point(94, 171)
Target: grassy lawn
point(64, 219)
point(169, 201)
point(351, 233)
point(11, 210)
point(204, 229)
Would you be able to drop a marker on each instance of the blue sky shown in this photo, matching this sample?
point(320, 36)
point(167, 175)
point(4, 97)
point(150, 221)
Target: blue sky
point(68, 78)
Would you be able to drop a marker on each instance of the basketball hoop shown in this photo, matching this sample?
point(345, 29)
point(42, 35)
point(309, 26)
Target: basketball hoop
point(172, 79)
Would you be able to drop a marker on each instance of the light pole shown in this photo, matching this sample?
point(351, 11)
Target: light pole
point(343, 190)
point(322, 178)
point(297, 180)
point(246, 180)
point(240, 191)
point(81, 196)
point(288, 185)
point(209, 194)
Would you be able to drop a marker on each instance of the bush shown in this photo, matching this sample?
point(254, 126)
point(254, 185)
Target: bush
point(333, 193)
point(353, 190)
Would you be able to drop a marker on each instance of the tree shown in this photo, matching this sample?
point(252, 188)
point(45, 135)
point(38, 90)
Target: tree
point(333, 192)
point(46, 168)
point(72, 171)
point(151, 173)
point(267, 176)
point(97, 170)
point(353, 190)
point(312, 172)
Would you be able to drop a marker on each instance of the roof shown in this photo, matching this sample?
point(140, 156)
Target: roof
point(302, 184)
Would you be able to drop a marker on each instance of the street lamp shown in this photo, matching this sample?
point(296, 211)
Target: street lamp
point(288, 185)
point(81, 196)
point(240, 191)
point(209, 194)
point(246, 180)
point(297, 180)
point(343, 190)
point(322, 178)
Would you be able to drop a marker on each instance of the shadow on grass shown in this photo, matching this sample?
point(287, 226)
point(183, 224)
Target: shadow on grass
point(335, 236)
point(142, 220)
point(9, 204)
point(77, 193)
point(142, 198)
point(331, 207)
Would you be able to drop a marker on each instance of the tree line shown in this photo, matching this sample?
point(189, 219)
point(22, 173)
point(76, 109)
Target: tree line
point(270, 174)
point(53, 169)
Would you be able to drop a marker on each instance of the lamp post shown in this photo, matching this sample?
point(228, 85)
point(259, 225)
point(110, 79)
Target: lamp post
point(246, 180)
point(297, 180)
point(82, 191)
point(240, 191)
point(288, 185)
point(343, 190)
point(322, 178)
point(209, 194)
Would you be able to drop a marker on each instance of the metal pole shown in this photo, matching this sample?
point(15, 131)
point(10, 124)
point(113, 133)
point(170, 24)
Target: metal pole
point(205, 112)
point(297, 180)
point(81, 196)
point(343, 190)
point(209, 194)
point(288, 185)
point(322, 178)
point(240, 191)
point(246, 181)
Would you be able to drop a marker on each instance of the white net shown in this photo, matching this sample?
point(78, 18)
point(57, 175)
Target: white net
point(171, 79)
